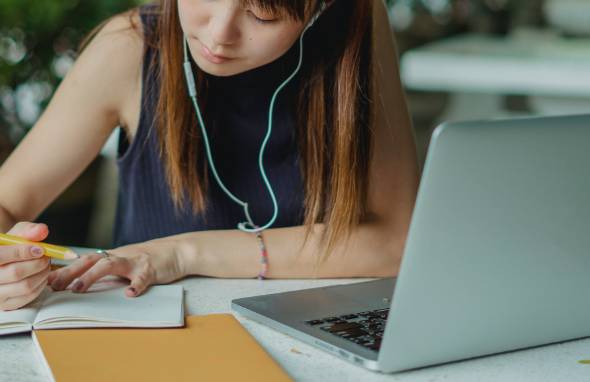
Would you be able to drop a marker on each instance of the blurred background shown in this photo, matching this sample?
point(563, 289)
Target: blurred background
point(460, 59)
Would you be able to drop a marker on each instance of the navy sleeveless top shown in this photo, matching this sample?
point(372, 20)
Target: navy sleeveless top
point(236, 120)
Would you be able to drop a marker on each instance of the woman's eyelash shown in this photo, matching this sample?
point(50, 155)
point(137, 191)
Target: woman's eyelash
point(262, 21)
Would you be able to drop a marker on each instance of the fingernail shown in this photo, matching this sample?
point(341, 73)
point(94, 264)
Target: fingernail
point(133, 291)
point(37, 251)
point(78, 285)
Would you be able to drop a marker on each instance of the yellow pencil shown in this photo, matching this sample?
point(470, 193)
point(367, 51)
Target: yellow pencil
point(55, 251)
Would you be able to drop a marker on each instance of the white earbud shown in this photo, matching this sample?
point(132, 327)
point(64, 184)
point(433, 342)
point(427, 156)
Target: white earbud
point(316, 16)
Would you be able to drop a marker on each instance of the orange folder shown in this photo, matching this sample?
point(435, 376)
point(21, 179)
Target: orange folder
point(209, 348)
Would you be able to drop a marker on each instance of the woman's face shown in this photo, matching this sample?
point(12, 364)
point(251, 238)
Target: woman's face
point(226, 39)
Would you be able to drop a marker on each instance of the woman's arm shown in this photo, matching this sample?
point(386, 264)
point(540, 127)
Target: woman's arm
point(80, 117)
point(374, 248)
point(73, 128)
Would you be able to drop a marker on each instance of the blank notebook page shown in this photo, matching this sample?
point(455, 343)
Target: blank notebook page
point(160, 305)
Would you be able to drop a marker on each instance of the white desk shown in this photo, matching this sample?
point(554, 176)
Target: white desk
point(478, 70)
point(18, 362)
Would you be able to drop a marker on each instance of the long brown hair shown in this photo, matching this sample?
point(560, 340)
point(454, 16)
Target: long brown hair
point(334, 112)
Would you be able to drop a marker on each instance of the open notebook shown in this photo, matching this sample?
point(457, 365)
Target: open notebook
point(104, 305)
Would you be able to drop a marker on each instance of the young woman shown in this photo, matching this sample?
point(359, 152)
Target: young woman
point(327, 165)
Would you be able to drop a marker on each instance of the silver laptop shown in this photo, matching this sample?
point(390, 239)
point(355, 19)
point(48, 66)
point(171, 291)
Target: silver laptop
point(497, 257)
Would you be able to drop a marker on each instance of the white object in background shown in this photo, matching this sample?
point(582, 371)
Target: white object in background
point(532, 63)
point(479, 70)
point(110, 147)
point(569, 16)
point(103, 215)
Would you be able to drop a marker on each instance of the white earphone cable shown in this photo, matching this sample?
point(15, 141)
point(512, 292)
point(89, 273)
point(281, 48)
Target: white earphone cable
point(248, 226)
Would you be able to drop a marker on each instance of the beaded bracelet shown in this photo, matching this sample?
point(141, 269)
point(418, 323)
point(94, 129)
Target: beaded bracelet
point(263, 258)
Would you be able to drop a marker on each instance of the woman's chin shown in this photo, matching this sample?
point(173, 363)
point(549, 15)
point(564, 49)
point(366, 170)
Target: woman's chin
point(220, 70)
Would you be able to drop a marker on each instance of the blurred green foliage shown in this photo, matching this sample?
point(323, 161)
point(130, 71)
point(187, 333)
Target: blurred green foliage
point(38, 41)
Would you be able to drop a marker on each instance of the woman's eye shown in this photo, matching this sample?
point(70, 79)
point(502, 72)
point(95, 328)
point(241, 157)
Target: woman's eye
point(263, 20)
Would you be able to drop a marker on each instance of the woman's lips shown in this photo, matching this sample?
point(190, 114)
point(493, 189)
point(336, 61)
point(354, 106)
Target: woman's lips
point(213, 57)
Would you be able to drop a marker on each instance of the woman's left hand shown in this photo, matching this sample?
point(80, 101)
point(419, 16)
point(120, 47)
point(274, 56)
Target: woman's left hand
point(144, 264)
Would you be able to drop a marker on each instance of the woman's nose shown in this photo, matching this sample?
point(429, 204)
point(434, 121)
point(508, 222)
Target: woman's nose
point(224, 29)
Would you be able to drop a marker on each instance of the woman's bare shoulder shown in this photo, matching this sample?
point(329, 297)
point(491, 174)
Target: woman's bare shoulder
point(113, 59)
point(121, 32)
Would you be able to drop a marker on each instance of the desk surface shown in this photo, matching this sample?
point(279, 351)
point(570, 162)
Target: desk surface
point(18, 362)
point(529, 62)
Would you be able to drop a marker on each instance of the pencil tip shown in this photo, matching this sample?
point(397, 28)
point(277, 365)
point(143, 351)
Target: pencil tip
point(71, 255)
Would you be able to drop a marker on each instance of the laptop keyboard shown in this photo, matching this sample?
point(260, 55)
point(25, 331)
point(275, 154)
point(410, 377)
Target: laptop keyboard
point(364, 328)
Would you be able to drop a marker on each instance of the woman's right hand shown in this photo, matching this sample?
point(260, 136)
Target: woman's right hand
point(23, 268)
